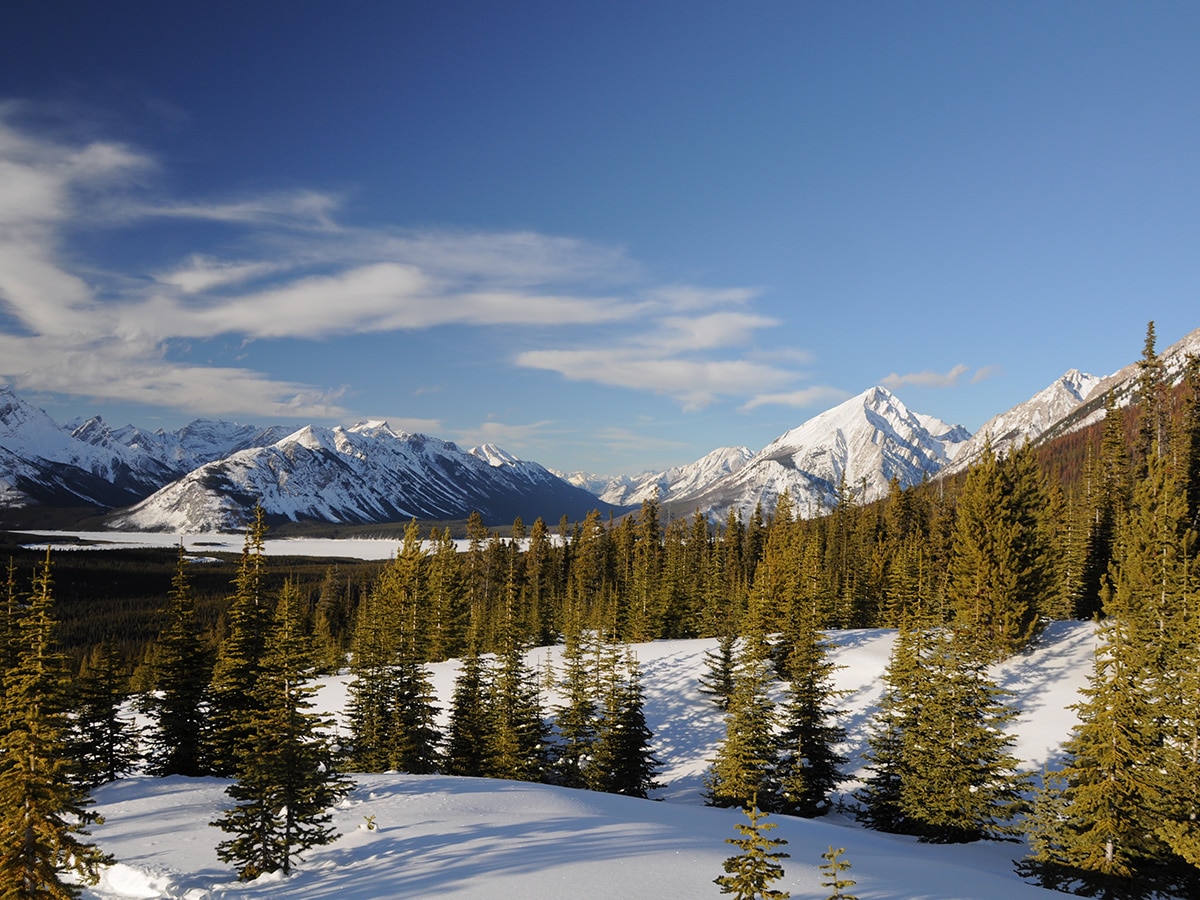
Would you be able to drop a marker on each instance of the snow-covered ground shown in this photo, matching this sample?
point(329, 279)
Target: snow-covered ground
point(448, 837)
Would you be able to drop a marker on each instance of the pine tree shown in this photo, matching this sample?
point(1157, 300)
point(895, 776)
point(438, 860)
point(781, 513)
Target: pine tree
point(104, 739)
point(287, 780)
point(833, 867)
point(518, 740)
point(808, 765)
point(720, 664)
point(744, 767)
point(750, 873)
point(999, 562)
point(1118, 820)
point(468, 749)
point(237, 666)
point(577, 717)
point(624, 761)
point(178, 705)
point(961, 782)
point(888, 758)
point(43, 810)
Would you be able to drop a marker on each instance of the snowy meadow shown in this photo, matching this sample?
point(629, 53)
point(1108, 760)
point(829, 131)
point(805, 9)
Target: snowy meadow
point(439, 836)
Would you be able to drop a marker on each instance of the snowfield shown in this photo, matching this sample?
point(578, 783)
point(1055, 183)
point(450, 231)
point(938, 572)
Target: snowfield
point(437, 836)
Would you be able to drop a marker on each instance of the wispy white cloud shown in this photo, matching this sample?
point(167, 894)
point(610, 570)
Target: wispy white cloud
point(695, 383)
point(926, 379)
point(804, 398)
point(300, 273)
point(985, 372)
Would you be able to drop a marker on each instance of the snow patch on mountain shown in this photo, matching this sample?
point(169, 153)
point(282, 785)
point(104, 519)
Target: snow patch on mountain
point(863, 443)
point(1028, 420)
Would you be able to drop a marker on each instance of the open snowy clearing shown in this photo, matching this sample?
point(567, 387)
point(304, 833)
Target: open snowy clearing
point(479, 838)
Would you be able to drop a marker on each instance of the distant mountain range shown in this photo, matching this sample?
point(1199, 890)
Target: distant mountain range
point(208, 475)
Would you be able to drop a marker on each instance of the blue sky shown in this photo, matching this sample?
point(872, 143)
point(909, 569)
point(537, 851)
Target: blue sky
point(605, 236)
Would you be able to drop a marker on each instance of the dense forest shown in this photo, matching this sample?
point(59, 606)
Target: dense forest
point(1100, 524)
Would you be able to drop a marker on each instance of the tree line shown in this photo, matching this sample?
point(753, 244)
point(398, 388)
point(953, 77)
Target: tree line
point(968, 570)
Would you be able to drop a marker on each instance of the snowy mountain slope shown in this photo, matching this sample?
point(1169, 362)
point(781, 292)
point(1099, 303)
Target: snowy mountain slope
point(1123, 385)
point(672, 483)
point(1028, 420)
point(868, 440)
point(367, 473)
point(94, 464)
point(479, 839)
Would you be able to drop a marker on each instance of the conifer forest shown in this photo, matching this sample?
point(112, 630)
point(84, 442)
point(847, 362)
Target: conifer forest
point(1100, 524)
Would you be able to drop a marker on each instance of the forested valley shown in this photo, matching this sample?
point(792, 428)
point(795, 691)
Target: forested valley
point(1100, 524)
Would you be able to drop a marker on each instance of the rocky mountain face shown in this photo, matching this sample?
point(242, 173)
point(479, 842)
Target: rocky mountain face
point(364, 474)
point(209, 474)
point(859, 446)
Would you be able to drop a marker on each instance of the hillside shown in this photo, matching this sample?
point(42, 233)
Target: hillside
point(477, 838)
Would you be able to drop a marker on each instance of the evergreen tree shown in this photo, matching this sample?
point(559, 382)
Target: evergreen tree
point(43, 810)
point(287, 780)
point(178, 705)
point(1118, 820)
point(888, 756)
point(998, 567)
point(468, 749)
point(748, 875)
point(961, 782)
point(237, 666)
point(833, 867)
point(624, 761)
point(518, 739)
point(577, 717)
point(808, 765)
point(104, 740)
point(720, 664)
point(744, 767)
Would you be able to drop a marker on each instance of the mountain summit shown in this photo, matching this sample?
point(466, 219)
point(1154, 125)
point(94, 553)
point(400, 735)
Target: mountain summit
point(863, 443)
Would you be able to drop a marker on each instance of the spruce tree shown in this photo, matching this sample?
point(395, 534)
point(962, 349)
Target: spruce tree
point(577, 716)
point(961, 782)
point(999, 565)
point(720, 665)
point(287, 780)
point(104, 738)
point(808, 764)
point(468, 750)
point(237, 665)
point(748, 875)
point(624, 760)
point(833, 868)
point(178, 705)
point(889, 757)
point(744, 768)
point(518, 740)
point(43, 809)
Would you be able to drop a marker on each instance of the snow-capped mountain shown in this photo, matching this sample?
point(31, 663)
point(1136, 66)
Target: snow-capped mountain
point(864, 442)
point(675, 482)
point(367, 473)
point(1028, 420)
point(92, 464)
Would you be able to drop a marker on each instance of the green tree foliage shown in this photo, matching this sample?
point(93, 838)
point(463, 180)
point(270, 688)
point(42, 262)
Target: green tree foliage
point(237, 665)
point(834, 868)
point(1118, 820)
point(287, 780)
point(577, 717)
point(750, 874)
point(104, 737)
point(939, 757)
point(744, 768)
point(178, 705)
point(43, 809)
point(468, 748)
point(392, 714)
point(808, 766)
point(1000, 564)
point(624, 760)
